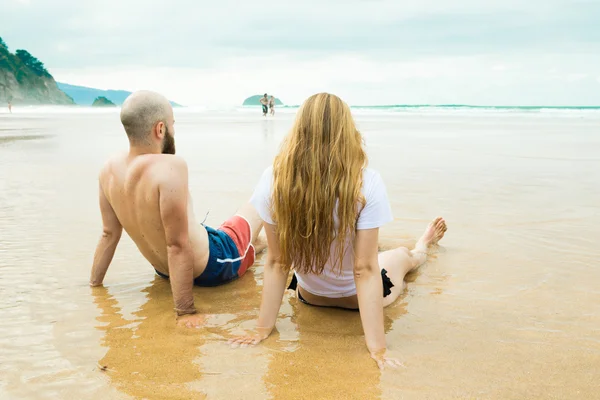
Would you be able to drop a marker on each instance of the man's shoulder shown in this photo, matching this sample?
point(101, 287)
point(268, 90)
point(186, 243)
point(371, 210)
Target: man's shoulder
point(160, 162)
point(112, 163)
point(168, 169)
point(169, 162)
point(160, 167)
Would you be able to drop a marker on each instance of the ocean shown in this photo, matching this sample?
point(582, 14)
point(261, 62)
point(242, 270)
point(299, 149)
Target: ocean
point(506, 308)
point(449, 109)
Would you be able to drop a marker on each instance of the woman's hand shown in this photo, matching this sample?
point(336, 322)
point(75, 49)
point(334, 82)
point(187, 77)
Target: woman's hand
point(250, 339)
point(382, 360)
point(274, 279)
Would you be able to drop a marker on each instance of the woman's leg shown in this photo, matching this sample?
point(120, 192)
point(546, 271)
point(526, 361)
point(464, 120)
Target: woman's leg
point(399, 262)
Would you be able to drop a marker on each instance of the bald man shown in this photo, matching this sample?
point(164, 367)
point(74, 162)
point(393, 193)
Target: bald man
point(145, 191)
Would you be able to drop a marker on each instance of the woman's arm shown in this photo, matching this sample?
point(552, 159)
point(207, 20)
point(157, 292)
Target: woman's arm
point(369, 287)
point(274, 280)
point(369, 290)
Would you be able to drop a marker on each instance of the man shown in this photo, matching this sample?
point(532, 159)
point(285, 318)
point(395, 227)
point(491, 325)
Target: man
point(265, 103)
point(145, 191)
point(9, 107)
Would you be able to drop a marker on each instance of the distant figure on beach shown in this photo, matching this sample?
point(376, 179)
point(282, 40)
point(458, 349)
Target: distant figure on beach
point(145, 191)
point(272, 105)
point(322, 209)
point(9, 107)
point(264, 101)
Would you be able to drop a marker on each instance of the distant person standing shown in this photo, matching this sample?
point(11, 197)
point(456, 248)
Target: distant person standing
point(265, 103)
point(9, 107)
point(272, 105)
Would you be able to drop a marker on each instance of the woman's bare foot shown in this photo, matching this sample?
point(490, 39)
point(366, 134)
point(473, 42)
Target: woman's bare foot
point(434, 232)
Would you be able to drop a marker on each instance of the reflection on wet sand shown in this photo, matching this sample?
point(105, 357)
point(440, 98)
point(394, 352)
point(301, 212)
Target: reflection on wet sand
point(147, 357)
point(331, 351)
point(230, 374)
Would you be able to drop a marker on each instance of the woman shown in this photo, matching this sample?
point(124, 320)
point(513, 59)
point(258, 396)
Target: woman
point(272, 105)
point(322, 210)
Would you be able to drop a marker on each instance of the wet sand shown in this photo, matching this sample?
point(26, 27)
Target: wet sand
point(508, 308)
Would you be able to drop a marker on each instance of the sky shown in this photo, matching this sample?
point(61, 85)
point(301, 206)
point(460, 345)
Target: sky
point(369, 52)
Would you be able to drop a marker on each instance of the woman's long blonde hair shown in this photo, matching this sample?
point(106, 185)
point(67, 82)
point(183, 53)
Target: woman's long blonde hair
point(318, 174)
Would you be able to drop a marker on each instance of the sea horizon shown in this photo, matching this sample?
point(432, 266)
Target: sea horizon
point(426, 109)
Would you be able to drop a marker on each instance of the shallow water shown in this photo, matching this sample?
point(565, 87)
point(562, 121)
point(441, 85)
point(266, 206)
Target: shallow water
point(508, 308)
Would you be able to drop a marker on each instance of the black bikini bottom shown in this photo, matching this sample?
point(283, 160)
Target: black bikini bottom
point(387, 286)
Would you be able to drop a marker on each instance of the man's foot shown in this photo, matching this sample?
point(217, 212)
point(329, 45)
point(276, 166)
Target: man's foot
point(433, 234)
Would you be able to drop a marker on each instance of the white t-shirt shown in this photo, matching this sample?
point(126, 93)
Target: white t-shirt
point(376, 213)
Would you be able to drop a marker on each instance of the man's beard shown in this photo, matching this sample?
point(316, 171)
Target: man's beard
point(168, 146)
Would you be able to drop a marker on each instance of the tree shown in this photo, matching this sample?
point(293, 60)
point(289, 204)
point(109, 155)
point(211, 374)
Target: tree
point(33, 63)
point(102, 101)
point(3, 44)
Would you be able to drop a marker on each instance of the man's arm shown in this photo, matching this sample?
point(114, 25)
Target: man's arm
point(173, 195)
point(111, 234)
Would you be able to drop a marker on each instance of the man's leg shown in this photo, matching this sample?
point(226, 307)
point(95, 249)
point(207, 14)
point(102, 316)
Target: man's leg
point(399, 262)
point(249, 213)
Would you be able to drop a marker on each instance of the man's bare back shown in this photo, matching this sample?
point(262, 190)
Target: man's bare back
point(130, 185)
point(145, 192)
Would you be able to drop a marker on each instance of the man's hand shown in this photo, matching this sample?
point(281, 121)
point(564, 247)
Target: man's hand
point(191, 320)
point(382, 360)
point(251, 338)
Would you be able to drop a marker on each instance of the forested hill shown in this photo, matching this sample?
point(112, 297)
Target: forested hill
point(25, 80)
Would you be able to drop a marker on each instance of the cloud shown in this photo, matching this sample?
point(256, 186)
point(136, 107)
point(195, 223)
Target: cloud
point(196, 33)
point(380, 50)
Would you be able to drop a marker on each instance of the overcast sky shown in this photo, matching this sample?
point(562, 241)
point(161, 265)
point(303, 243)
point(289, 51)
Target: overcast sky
point(528, 52)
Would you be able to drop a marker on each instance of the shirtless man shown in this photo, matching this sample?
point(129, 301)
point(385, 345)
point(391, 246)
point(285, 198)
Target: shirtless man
point(145, 191)
point(265, 104)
